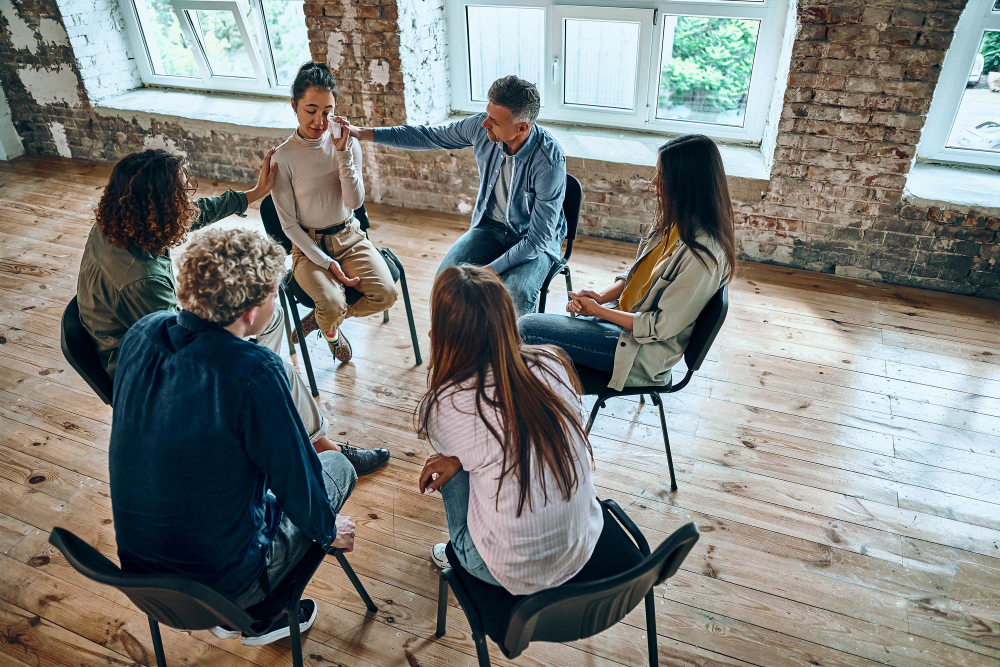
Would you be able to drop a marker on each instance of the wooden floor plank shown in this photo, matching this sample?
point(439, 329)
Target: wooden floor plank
point(839, 451)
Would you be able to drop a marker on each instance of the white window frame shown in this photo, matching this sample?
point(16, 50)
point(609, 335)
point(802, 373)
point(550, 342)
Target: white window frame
point(975, 21)
point(265, 79)
point(770, 13)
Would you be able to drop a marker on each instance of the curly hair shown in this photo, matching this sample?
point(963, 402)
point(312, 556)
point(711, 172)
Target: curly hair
point(226, 272)
point(147, 203)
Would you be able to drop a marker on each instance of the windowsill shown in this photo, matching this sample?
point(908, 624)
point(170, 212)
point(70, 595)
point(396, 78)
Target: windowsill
point(244, 111)
point(936, 184)
point(746, 170)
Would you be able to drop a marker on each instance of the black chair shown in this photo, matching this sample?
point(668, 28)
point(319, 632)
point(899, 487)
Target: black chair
point(706, 328)
point(188, 605)
point(292, 295)
point(571, 209)
point(81, 353)
point(617, 577)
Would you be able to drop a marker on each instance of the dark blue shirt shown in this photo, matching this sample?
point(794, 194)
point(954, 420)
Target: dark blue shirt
point(203, 427)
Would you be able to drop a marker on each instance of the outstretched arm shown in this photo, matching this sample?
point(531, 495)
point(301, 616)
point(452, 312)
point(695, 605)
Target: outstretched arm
point(460, 134)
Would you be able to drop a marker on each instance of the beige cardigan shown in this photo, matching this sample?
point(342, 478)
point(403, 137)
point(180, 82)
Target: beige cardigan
point(665, 316)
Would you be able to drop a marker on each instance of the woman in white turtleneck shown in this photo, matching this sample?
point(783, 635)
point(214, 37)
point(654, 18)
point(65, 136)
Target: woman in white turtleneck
point(317, 188)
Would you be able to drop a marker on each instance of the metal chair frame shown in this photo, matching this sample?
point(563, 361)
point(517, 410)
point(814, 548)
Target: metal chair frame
point(707, 327)
point(599, 604)
point(185, 604)
point(571, 209)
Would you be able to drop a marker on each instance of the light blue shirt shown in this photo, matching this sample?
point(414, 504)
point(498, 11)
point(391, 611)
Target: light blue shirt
point(537, 181)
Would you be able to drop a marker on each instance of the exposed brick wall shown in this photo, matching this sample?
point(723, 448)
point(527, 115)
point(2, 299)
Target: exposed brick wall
point(862, 77)
point(860, 82)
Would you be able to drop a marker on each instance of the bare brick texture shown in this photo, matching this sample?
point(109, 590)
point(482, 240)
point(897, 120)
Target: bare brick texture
point(861, 78)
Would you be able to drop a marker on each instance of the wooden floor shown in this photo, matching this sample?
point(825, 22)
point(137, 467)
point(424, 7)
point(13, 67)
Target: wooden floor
point(840, 452)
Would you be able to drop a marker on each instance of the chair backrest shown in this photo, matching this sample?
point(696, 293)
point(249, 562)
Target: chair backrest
point(706, 328)
point(577, 611)
point(172, 600)
point(272, 224)
point(81, 353)
point(571, 209)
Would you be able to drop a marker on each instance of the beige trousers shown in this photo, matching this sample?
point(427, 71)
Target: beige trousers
point(308, 410)
point(358, 258)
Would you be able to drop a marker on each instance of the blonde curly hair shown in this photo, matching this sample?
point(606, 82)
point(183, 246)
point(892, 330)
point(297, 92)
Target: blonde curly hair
point(226, 272)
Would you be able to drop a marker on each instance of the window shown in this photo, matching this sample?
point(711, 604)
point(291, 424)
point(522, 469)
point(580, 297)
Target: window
point(248, 46)
point(667, 65)
point(963, 124)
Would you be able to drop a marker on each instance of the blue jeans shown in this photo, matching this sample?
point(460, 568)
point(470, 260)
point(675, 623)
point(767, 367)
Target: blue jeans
point(488, 240)
point(589, 341)
point(455, 494)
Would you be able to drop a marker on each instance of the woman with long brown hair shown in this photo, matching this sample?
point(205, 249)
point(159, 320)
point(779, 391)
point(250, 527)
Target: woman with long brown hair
point(513, 463)
point(688, 254)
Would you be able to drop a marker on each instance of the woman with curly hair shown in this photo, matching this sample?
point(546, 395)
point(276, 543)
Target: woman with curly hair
point(146, 209)
point(126, 273)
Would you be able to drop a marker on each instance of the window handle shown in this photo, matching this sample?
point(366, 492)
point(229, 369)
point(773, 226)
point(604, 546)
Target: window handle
point(555, 70)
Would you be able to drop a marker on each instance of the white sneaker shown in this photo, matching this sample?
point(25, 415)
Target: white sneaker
point(225, 633)
point(279, 629)
point(438, 556)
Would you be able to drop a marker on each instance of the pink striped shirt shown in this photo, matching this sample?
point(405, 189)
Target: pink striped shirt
point(549, 543)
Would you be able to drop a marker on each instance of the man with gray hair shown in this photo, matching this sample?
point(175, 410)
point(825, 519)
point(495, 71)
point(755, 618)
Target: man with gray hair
point(518, 223)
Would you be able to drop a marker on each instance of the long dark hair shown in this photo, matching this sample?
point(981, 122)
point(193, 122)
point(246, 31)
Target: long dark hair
point(693, 194)
point(147, 202)
point(474, 333)
point(313, 74)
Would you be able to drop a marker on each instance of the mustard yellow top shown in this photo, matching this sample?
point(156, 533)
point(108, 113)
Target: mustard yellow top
point(642, 280)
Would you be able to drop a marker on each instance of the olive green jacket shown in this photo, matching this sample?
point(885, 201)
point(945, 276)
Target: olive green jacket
point(665, 316)
point(118, 287)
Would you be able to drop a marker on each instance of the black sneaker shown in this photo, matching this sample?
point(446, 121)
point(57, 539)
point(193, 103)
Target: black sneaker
point(365, 461)
point(279, 629)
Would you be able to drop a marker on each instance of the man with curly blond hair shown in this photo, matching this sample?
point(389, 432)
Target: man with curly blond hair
point(126, 271)
point(213, 476)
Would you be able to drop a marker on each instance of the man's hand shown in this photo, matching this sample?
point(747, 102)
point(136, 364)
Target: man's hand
point(360, 133)
point(265, 180)
point(583, 305)
point(591, 294)
point(345, 534)
point(445, 467)
point(339, 274)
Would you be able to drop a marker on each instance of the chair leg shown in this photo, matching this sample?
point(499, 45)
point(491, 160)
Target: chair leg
point(307, 362)
point(658, 400)
point(294, 637)
point(409, 316)
point(569, 282)
point(598, 404)
point(482, 650)
point(288, 326)
point(154, 632)
point(385, 316)
point(358, 586)
point(442, 606)
point(651, 629)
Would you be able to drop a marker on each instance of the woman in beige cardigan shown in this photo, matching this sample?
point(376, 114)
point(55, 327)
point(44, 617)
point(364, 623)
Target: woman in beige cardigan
point(682, 262)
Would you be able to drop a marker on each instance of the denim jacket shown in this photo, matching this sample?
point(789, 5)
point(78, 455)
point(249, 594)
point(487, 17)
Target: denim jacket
point(537, 184)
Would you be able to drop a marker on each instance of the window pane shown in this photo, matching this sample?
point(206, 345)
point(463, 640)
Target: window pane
point(227, 55)
point(168, 53)
point(601, 62)
point(977, 124)
point(286, 26)
point(502, 41)
point(706, 66)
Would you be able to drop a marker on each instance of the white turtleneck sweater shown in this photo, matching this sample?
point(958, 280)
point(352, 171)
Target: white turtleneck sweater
point(316, 186)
